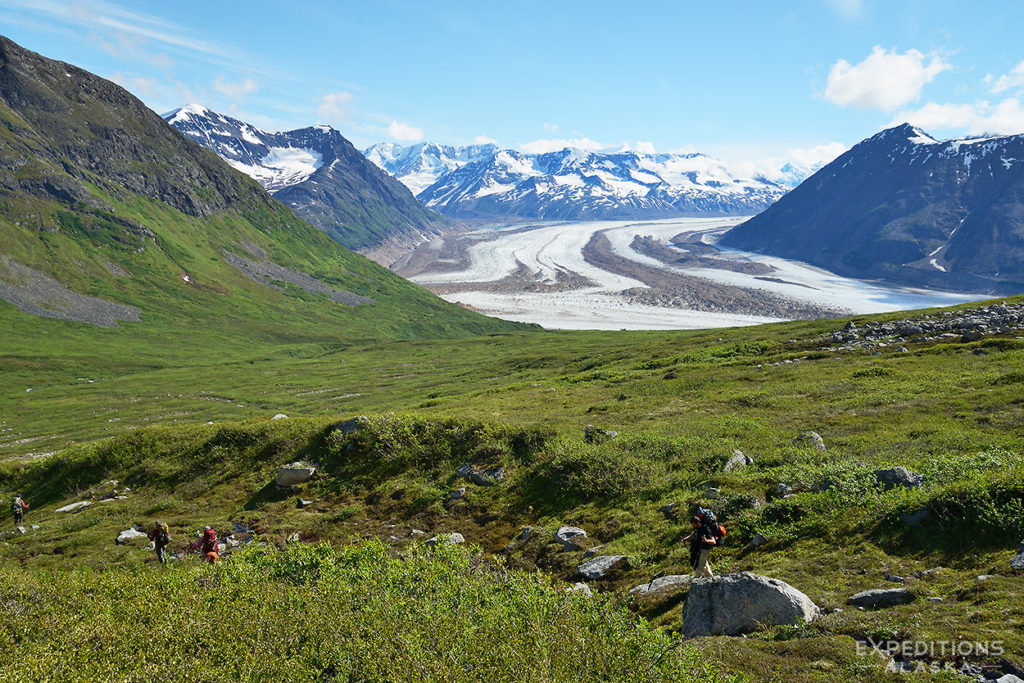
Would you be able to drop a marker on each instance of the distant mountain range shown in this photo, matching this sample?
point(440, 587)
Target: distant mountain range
point(485, 181)
point(905, 207)
point(319, 174)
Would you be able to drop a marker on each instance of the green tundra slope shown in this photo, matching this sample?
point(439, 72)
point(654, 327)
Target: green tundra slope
point(118, 232)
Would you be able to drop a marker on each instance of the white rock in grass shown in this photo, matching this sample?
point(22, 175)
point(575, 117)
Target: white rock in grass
point(296, 473)
point(280, 416)
point(129, 535)
point(599, 567)
point(74, 507)
point(568, 535)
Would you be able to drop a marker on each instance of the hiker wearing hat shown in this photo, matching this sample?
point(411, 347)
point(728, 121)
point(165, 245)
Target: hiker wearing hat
point(18, 507)
point(161, 537)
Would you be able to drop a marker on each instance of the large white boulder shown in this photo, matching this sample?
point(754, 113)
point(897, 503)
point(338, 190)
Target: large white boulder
point(129, 535)
point(732, 604)
point(296, 473)
point(74, 507)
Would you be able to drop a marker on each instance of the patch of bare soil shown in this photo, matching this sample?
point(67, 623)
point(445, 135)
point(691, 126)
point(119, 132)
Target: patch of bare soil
point(675, 290)
point(39, 294)
point(269, 273)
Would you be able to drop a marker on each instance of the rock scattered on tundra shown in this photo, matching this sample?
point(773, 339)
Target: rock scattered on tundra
point(74, 507)
point(569, 536)
point(881, 597)
point(599, 567)
point(293, 474)
point(810, 440)
point(898, 476)
point(448, 539)
point(732, 604)
point(129, 535)
point(662, 585)
point(738, 461)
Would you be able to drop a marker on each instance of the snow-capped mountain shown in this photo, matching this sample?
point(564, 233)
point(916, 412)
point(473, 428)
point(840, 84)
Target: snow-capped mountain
point(486, 181)
point(906, 207)
point(318, 173)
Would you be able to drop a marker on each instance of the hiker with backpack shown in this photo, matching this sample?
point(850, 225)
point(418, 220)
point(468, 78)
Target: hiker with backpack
point(707, 533)
point(161, 537)
point(18, 507)
point(209, 545)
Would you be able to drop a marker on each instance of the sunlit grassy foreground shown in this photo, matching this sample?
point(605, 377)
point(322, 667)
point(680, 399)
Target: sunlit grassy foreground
point(360, 613)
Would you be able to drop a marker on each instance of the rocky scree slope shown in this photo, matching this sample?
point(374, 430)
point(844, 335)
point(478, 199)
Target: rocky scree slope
point(107, 213)
point(905, 207)
point(319, 174)
point(484, 181)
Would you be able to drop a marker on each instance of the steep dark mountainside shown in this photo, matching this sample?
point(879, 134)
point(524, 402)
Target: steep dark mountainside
point(319, 174)
point(108, 214)
point(484, 181)
point(905, 207)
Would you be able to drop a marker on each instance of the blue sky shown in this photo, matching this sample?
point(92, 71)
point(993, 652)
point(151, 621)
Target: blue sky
point(740, 80)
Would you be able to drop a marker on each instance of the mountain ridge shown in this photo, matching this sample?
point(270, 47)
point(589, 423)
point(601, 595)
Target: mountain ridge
point(485, 181)
point(318, 173)
point(905, 207)
point(108, 214)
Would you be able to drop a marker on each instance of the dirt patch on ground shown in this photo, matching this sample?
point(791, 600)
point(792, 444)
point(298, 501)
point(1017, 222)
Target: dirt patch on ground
point(675, 290)
point(39, 294)
point(269, 273)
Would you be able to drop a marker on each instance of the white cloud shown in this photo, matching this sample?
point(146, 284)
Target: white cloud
point(884, 80)
point(554, 145)
point(819, 155)
point(1006, 117)
point(404, 132)
point(1014, 79)
point(334, 106)
point(235, 91)
point(484, 140)
point(550, 127)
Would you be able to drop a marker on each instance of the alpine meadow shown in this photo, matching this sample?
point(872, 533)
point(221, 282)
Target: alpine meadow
point(351, 477)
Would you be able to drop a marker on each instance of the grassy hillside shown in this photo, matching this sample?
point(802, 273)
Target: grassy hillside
point(681, 402)
point(109, 217)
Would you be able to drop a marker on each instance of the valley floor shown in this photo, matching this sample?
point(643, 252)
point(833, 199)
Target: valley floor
point(664, 274)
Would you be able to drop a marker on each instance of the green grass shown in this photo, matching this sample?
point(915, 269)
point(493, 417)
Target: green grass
point(313, 613)
point(681, 402)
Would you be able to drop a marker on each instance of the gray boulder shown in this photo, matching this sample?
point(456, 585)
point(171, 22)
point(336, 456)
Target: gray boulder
point(581, 588)
point(293, 474)
point(488, 477)
point(352, 426)
point(756, 542)
point(1020, 548)
point(455, 495)
point(280, 416)
point(569, 536)
point(74, 507)
point(1017, 562)
point(881, 597)
point(129, 535)
point(672, 583)
point(448, 539)
point(898, 476)
point(463, 470)
point(590, 552)
point(671, 511)
point(732, 604)
point(810, 440)
point(738, 461)
point(599, 567)
point(524, 534)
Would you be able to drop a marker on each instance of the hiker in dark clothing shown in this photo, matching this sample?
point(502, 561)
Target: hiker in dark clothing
point(161, 537)
point(18, 507)
point(694, 539)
